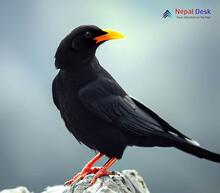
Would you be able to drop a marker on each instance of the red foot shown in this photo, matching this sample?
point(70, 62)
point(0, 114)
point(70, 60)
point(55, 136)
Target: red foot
point(102, 172)
point(82, 175)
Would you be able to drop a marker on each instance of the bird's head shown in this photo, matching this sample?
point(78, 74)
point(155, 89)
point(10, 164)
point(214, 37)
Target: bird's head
point(77, 48)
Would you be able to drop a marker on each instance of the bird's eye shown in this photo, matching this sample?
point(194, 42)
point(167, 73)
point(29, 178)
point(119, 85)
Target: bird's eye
point(88, 34)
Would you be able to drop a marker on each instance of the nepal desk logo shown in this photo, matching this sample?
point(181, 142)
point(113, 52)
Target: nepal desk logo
point(166, 14)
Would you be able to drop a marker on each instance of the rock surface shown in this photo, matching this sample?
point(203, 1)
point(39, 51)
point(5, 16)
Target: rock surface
point(19, 189)
point(129, 181)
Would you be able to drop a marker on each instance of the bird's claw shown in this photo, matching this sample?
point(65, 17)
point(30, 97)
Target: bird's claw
point(81, 175)
point(74, 179)
point(100, 173)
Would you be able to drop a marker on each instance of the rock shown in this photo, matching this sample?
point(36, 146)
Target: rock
point(20, 189)
point(55, 189)
point(129, 181)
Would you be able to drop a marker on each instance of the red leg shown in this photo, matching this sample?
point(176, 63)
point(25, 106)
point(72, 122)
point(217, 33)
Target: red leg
point(86, 170)
point(104, 170)
point(89, 165)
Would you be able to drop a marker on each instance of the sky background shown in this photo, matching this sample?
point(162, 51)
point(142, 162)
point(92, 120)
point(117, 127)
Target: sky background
point(171, 65)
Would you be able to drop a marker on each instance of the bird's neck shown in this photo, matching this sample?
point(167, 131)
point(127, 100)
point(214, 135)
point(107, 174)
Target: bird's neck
point(88, 66)
point(85, 60)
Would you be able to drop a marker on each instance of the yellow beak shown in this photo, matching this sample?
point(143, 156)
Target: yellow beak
point(109, 36)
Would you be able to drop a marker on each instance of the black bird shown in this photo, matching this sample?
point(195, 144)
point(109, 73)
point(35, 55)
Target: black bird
point(99, 113)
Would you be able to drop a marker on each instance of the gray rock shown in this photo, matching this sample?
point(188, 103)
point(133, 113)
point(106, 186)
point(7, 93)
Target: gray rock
point(20, 189)
point(55, 189)
point(129, 181)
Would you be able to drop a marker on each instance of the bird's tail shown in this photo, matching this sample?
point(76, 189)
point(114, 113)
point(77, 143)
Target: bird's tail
point(192, 147)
